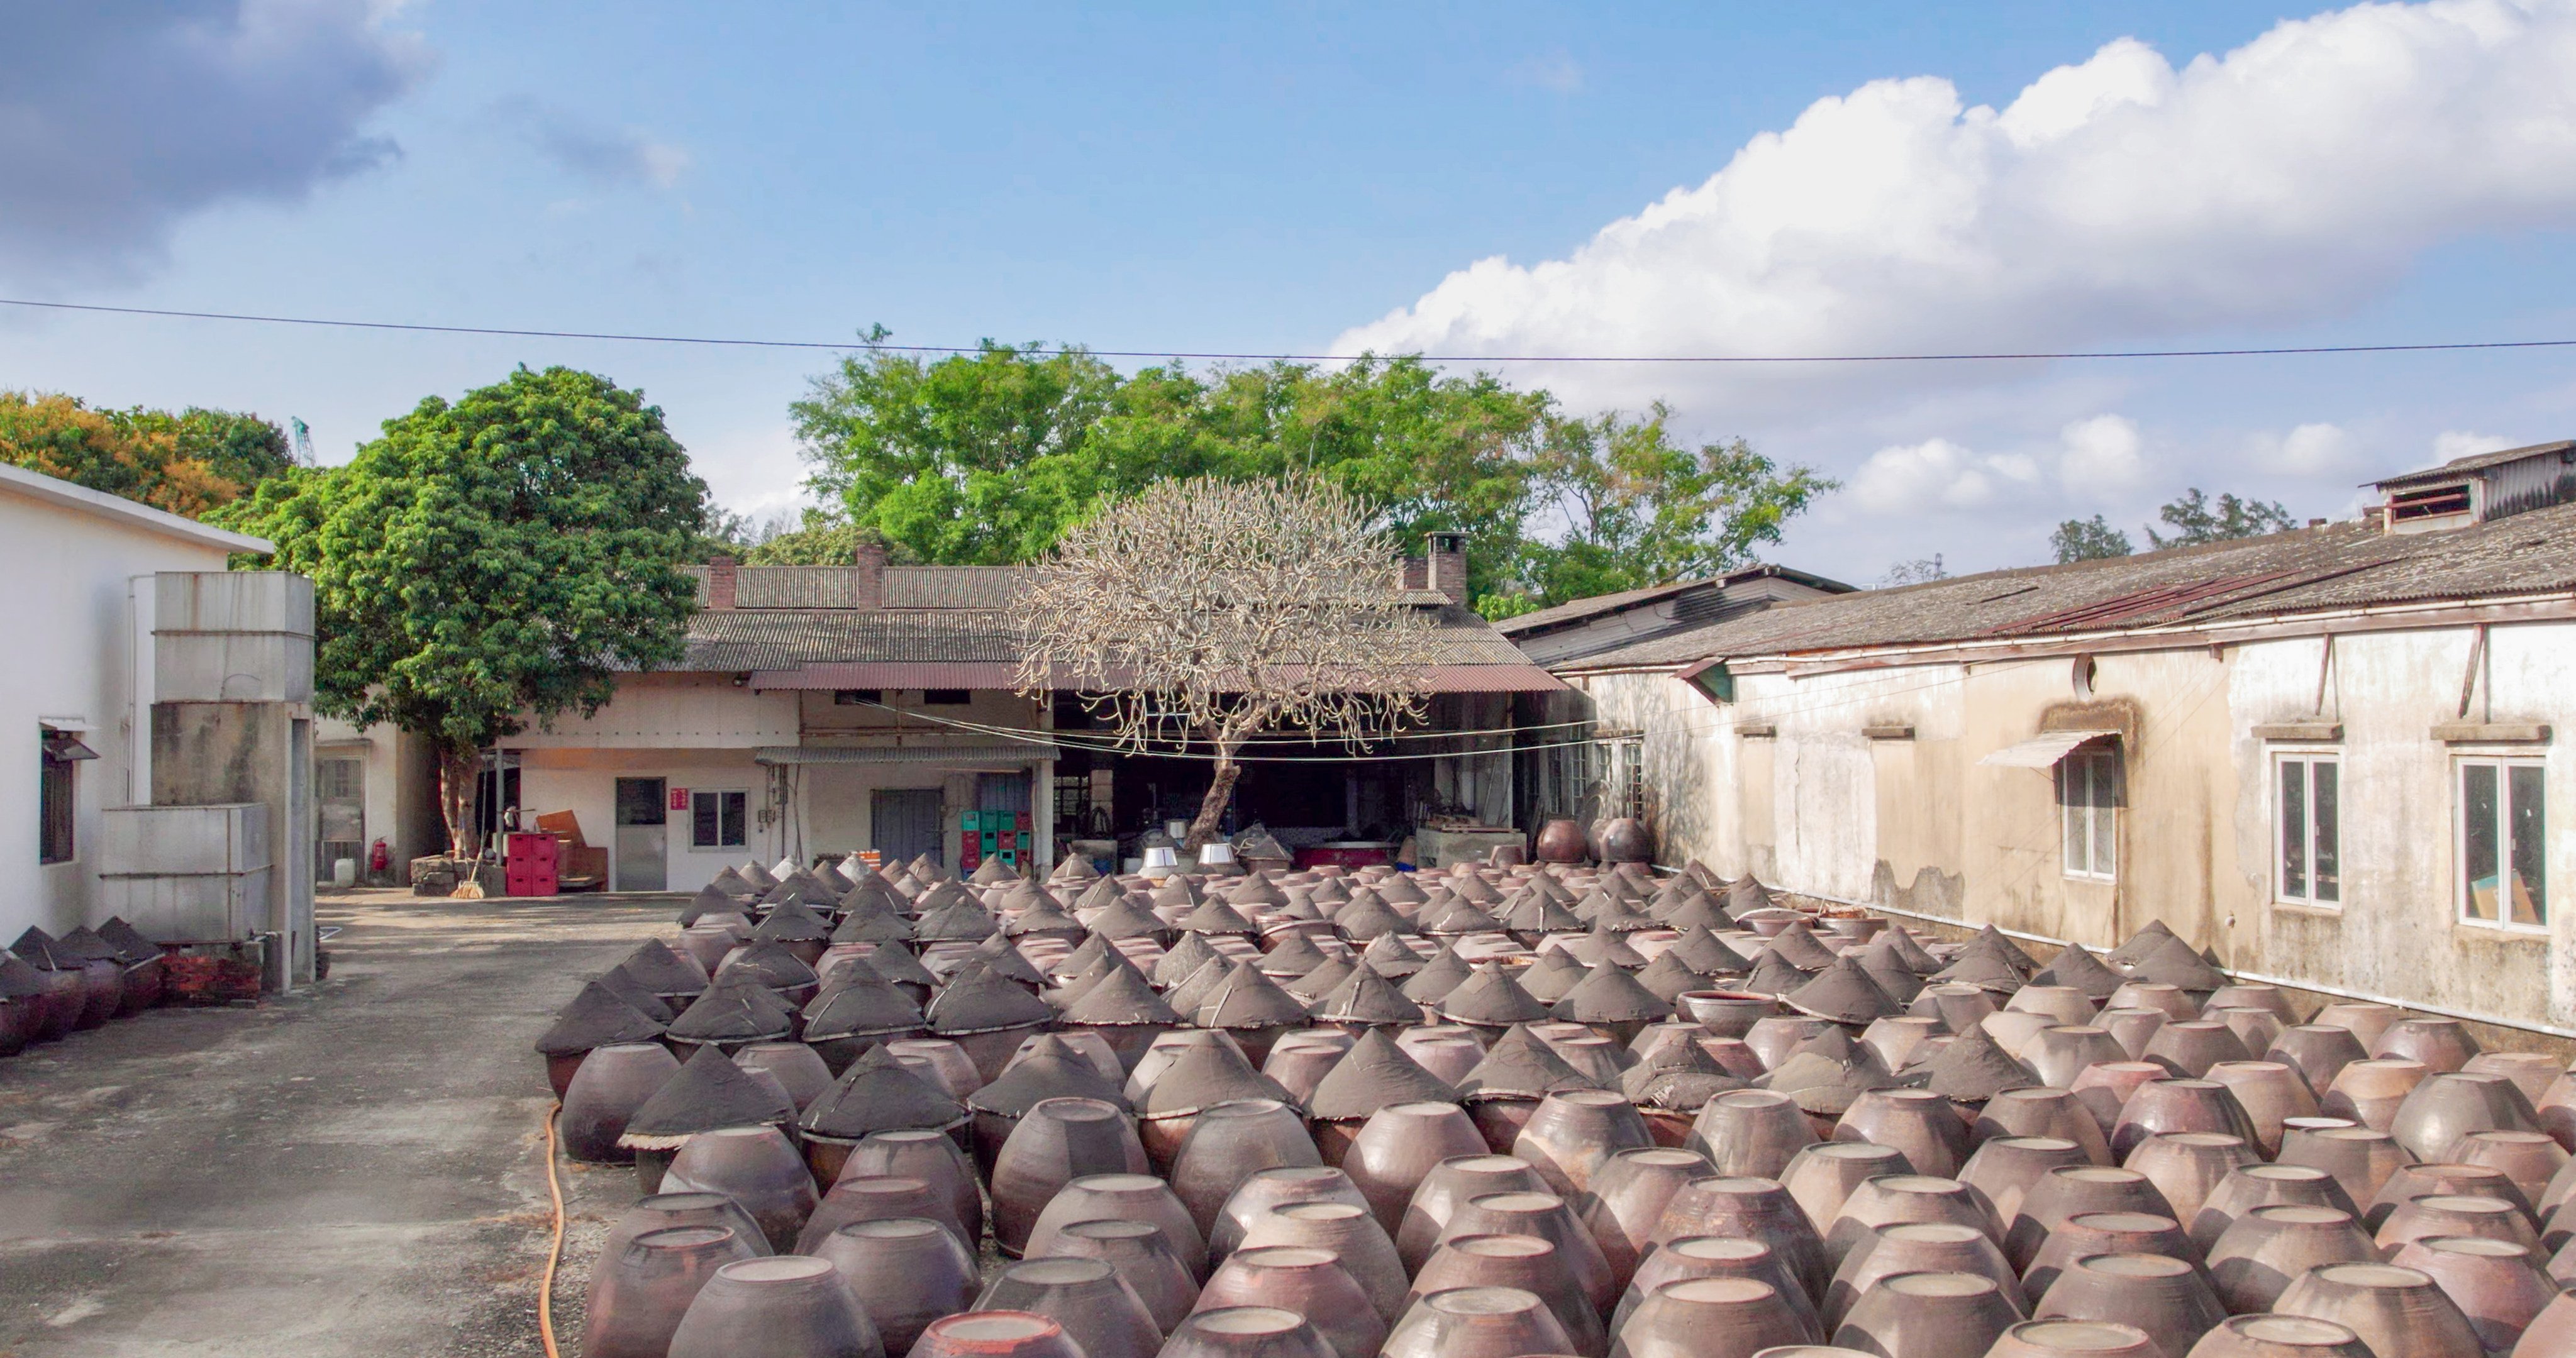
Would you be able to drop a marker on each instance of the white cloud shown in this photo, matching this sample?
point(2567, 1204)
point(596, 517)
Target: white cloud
point(117, 120)
point(2115, 199)
point(2308, 450)
point(2103, 456)
point(1936, 473)
point(625, 156)
point(2451, 443)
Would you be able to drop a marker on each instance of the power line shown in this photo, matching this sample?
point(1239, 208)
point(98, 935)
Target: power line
point(850, 346)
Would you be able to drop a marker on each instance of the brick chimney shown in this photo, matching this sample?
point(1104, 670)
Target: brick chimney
point(720, 582)
point(869, 559)
point(1417, 573)
point(1447, 562)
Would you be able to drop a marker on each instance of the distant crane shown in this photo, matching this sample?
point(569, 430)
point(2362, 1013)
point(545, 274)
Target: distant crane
point(303, 442)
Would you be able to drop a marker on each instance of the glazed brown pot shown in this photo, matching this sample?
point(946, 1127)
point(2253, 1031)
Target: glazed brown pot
point(1270, 1188)
point(2250, 1186)
point(1572, 1132)
point(2441, 1044)
point(2552, 1332)
point(2493, 1282)
point(1521, 1261)
point(2429, 1179)
point(1897, 1198)
point(1124, 1197)
point(1751, 1132)
point(2164, 1296)
point(905, 1271)
point(1919, 1247)
point(1309, 1282)
point(950, 1064)
point(1727, 1013)
point(2271, 1093)
point(2445, 1107)
point(1448, 1053)
point(1056, 1142)
point(2370, 1092)
point(2171, 1001)
point(1774, 1038)
point(2319, 1051)
point(2093, 1233)
point(2078, 1189)
point(1707, 1256)
point(2273, 1336)
point(1823, 1176)
point(1228, 1142)
point(2391, 1309)
point(2189, 1166)
point(2042, 1112)
point(757, 1168)
point(1100, 1313)
point(1447, 1188)
point(1247, 1332)
point(2164, 1106)
point(995, 1334)
point(1750, 1209)
point(638, 1298)
point(1923, 1125)
point(2270, 1247)
point(788, 1304)
point(2132, 1028)
point(1559, 841)
point(2057, 1055)
point(1629, 1194)
point(1143, 1260)
point(2004, 1168)
point(1928, 1315)
point(1713, 1318)
point(2190, 1047)
point(796, 1067)
point(1477, 1322)
point(876, 1197)
point(2360, 1159)
point(1352, 1234)
point(662, 1211)
point(932, 1157)
point(1545, 1216)
point(2105, 1086)
point(613, 1083)
point(2452, 1214)
point(1399, 1146)
point(2061, 1338)
point(2255, 1028)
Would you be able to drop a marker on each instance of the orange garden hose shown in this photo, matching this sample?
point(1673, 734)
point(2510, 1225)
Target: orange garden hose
point(554, 1254)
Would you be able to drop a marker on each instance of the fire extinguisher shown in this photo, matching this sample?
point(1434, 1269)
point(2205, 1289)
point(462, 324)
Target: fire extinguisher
point(379, 858)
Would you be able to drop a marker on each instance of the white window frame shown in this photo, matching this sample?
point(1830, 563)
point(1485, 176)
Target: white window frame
point(2504, 765)
point(2311, 760)
point(719, 793)
point(2085, 764)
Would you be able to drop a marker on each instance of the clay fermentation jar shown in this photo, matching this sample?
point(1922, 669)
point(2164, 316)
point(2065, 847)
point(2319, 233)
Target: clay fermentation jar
point(1822, 1177)
point(2277, 1336)
point(2445, 1107)
point(1750, 1209)
point(932, 1157)
point(2494, 1283)
point(2359, 1158)
point(637, 1299)
point(1713, 1318)
point(2062, 1194)
point(1446, 1189)
point(1919, 1247)
point(2074, 1339)
point(875, 1197)
point(1629, 1194)
point(2391, 1309)
point(2164, 1296)
point(1521, 1261)
point(1229, 1142)
point(1477, 1322)
point(2004, 1168)
point(2269, 1248)
point(1309, 1282)
point(1124, 1197)
point(756, 1168)
point(1917, 1122)
point(2441, 1044)
point(1056, 1142)
point(2095, 1233)
point(1351, 1234)
point(1100, 1313)
point(905, 1271)
point(1573, 1132)
point(1928, 1315)
point(1247, 1332)
point(2188, 1166)
point(994, 1334)
point(1144, 1262)
point(1399, 1146)
point(612, 1083)
point(789, 1305)
point(1751, 1133)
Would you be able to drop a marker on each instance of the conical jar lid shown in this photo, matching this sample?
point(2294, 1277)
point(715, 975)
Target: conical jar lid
point(1374, 1073)
point(595, 1018)
point(708, 1094)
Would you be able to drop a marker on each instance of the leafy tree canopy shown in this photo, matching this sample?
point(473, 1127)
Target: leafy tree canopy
point(2195, 519)
point(187, 463)
point(2092, 539)
point(1641, 509)
point(490, 561)
point(987, 458)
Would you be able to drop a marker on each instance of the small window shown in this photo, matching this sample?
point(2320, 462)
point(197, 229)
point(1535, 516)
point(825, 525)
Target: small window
point(2088, 790)
point(2309, 814)
point(857, 697)
point(55, 797)
point(2503, 837)
point(716, 819)
point(946, 697)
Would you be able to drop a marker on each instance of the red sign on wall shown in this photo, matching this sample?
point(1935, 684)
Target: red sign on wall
point(679, 799)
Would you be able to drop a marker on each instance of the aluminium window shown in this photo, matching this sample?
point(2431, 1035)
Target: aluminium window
point(2503, 843)
point(58, 794)
point(717, 819)
point(2088, 795)
point(2308, 812)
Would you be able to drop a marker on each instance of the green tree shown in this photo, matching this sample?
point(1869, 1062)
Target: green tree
point(2092, 539)
point(491, 562)
point(187, 463)
point(1642, 509)
point(2195, 519)
point(987, 458)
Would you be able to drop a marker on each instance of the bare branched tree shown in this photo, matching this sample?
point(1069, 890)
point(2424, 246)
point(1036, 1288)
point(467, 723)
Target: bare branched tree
point(1201, 614)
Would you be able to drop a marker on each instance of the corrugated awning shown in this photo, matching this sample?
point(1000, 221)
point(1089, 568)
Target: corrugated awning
point(1010, 756)
point(2043, 752)
point(994, 675)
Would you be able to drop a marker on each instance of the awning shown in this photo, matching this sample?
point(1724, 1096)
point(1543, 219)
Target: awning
point(1010, 756)
point(63, 746)
point(2043, 752)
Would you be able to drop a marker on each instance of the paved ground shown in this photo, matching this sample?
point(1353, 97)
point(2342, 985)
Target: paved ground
point(358, 1170)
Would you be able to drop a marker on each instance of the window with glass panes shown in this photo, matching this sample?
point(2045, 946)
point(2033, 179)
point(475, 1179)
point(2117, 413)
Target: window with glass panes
point(2503, 843)
point(2088, 792)
point(716, 819)
point(2308, 807)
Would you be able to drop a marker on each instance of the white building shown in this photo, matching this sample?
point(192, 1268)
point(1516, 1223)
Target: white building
point(76, 693)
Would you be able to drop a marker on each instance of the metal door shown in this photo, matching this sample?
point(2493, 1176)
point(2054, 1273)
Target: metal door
point(904, 822)
point(643, 846)
point(340, 795)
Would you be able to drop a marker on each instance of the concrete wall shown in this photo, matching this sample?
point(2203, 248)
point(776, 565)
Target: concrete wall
point(1825, 803)
point(80, 653)
point(401, 790)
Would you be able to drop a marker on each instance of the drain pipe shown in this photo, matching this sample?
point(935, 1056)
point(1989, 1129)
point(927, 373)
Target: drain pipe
point(2251, 977)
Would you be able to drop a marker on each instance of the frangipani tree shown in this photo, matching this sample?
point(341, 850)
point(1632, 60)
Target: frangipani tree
point(1200, 614)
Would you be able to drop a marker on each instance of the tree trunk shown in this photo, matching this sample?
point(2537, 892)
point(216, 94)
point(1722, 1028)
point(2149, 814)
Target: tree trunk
point(456, 770)
point(1212, 808)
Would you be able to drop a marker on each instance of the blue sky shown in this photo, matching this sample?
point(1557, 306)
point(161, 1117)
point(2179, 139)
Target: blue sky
point(1313, 178)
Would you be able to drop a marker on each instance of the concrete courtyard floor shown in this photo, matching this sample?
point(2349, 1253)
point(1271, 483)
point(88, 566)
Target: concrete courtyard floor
point(355, 1170)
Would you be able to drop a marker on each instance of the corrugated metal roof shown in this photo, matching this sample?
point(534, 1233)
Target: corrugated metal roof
point(1012, 755)
point(1581, 609)
point(973, 587)
point(2461, 466)
point(2338, 566)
